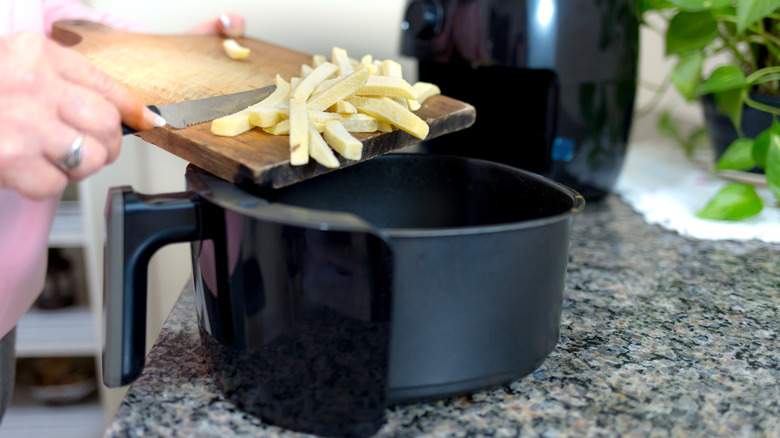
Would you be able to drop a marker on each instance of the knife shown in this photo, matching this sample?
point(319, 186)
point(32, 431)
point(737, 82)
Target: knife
point(183, 114)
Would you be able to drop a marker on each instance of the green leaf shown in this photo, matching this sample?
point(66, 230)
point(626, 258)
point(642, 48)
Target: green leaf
point(738, 156)
point(730, 103)
point(655, 5)
point(750, 11)
point(761, 144)
point(700, 5)
point(732, 203)
point(689, 32)
point(686, 75)
point(664, 123)
point(725, 77)
point(761, 147)
point(772, 167)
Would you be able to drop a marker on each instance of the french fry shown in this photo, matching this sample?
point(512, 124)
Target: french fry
point(387, 110)
point(238, 123)
point(266, 116)
point(342, 141)
point(342, 107)
point(360, 123)
point(299, 132)
point(338, 91)
point(232, 125)
point(327, 83)
point(234, 50)
point(332, 99)
point(316, 60)
point(341, 59)
point(310, 82)
point(281, 128)
point(388, 67)
point(390, 86)
point(281, 93)
point(323, 116)
point(425, 90)
point(320, 151)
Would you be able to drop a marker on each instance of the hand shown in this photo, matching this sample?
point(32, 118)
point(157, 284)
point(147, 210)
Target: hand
point(48, 96)
point(228, 25)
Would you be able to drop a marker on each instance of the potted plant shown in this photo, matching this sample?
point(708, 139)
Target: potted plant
point(728, 55)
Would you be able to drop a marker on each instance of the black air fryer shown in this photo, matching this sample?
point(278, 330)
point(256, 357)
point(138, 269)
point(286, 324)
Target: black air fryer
point(553, 81)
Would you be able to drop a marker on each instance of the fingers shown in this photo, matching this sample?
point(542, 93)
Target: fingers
point(85, 111)
point(37, 181)
point(229, 24)
point(76, 69)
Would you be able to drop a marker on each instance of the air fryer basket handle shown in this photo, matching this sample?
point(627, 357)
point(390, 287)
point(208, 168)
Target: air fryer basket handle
point(137, 225)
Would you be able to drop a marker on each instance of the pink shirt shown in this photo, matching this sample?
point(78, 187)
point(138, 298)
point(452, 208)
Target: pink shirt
point(25, 224)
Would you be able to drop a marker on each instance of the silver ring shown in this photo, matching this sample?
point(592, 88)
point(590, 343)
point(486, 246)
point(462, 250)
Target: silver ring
point(73, 158)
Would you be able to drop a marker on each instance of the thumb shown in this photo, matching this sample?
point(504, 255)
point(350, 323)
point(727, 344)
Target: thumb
point(231, 25)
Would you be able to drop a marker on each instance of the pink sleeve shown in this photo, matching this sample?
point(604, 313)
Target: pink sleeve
point(24, 237)
point(54, 10)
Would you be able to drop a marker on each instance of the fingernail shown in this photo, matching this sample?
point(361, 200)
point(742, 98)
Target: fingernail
point(225, 21)
point(159, 122)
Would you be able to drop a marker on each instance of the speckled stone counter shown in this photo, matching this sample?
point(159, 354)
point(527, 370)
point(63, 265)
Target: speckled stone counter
point(661, 336)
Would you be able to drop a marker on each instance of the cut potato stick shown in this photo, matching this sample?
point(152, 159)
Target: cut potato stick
point(234, 50)
point(338, 91)
point(425, 90)
point(390, 86)
point(310, 82)
point(341, 59)
point(323, 116)
point(360, 123)
point(387, 110)
point(342, 141)
point(238, 123)
point(316, 60)
point(327, 83)
point(332, 99)
point(389, 67)
point(320, 151)
point(281, 128)
point(299, 133)
point(413, 104)
point(342, 107)
point(266, 116)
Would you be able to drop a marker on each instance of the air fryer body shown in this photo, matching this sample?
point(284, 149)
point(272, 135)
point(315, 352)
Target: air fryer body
point(553, 81)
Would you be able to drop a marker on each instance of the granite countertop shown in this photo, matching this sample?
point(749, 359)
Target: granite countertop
point(661, 336)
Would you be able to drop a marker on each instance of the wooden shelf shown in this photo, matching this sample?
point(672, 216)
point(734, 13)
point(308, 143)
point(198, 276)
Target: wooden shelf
point(28, 418)
point(69, 331)
point(68, 227)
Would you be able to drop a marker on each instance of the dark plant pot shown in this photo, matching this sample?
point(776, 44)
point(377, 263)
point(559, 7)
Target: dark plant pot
point(722, 132)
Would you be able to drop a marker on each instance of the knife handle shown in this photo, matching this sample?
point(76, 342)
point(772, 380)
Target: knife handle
point(128, 130)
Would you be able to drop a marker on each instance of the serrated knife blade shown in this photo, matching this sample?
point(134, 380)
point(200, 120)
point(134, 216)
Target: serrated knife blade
point(183, 114)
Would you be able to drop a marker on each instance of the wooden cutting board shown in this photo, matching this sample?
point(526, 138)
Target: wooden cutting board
point(163, 69)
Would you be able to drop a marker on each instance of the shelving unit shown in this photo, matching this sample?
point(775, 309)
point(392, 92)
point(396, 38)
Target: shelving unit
point(27, 418)
point(71, 331)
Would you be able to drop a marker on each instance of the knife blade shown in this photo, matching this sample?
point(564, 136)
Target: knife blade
point(183, 114)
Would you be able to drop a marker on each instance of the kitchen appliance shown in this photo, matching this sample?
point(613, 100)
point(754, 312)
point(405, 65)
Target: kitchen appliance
point(553, 81)
point(405, 277)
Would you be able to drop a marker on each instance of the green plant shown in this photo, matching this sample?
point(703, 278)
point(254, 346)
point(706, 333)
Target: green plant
point(730, 49)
